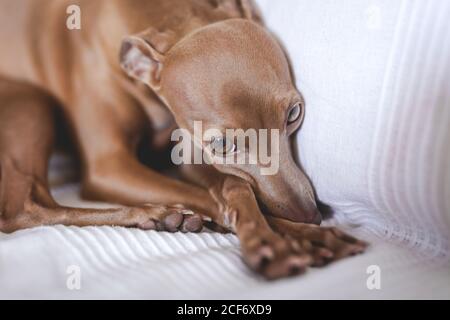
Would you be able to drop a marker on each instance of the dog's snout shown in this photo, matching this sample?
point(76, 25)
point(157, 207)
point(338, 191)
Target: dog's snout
point(298, 215)
point(317, 217)
point(314, 217)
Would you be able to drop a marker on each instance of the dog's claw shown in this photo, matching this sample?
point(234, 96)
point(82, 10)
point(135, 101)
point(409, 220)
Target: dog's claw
point(290, 266)
point(259, 258)
point(159, 226)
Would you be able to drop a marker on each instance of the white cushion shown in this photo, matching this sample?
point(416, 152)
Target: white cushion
point(375, 142)
point(376, 137)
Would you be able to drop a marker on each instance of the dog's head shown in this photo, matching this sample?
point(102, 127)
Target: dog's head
point(232, 75)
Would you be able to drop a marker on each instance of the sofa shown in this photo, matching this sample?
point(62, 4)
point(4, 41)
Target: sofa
point(375, 75)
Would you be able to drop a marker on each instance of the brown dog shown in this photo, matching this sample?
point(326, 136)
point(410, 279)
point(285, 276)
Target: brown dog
point(208, 60)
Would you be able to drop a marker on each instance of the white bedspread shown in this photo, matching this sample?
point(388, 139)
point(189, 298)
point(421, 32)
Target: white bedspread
point(128, 263)
point(375, 142)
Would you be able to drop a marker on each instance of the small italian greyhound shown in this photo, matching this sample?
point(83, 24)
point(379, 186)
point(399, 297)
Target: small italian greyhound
point(134, 72)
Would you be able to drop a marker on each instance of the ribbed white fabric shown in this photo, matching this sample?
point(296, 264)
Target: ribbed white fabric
point(410, 163)
point(129, 263)
point(375, 76)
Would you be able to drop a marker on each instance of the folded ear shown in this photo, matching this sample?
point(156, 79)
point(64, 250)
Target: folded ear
point(142, 56)
point(250, 11)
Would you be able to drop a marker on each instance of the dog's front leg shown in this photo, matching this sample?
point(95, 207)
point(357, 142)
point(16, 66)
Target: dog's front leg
point(229, 202)
point(263, 250)
point(27, 134)
point(121, 178)
point(323, 244)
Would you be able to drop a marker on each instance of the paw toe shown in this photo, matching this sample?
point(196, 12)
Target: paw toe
point(260, 257)
point(192, 223)
point(173, 221)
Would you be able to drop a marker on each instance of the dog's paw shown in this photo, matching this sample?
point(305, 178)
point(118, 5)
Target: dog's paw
point(170, 219)
point(328, 244)
point(324, 244)
point(272, 255)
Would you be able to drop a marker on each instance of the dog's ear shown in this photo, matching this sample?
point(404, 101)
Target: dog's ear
point(142, 56)
point(250, 10)
point(246, 9)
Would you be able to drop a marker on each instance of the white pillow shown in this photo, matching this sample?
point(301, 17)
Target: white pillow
point(375, 142)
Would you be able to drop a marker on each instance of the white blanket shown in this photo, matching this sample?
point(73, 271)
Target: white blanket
point(119, 263)
point(375, 77)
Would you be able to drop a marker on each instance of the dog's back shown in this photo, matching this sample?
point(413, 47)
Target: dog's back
point(38, 47)
point(14, 57)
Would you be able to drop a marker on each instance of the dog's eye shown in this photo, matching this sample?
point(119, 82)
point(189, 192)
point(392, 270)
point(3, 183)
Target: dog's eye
point(222, 146)
point(295, 113)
